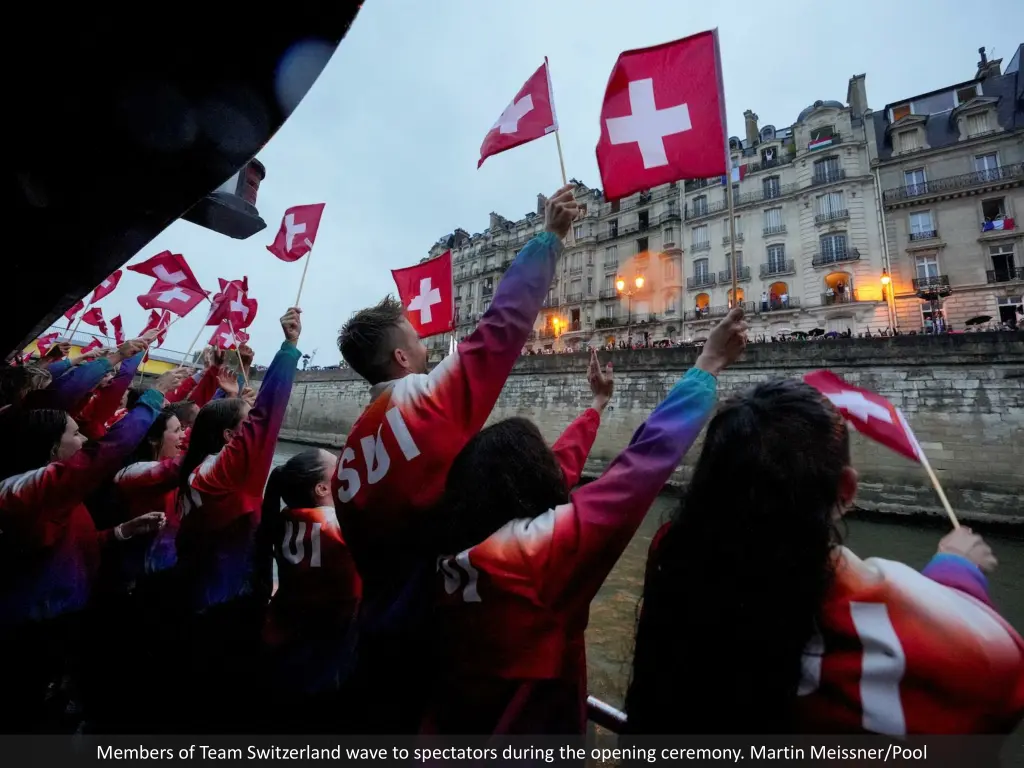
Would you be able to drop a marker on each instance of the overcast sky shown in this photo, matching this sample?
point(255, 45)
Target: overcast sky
point(389, 135)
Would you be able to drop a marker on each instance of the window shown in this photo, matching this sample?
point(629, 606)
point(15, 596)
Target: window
point(915, 181)
point(669, 236)
point(934, 320)
point(700, 205)
point(615, 206)
point(827, 169)
point(773, 220)
point(469, 291)
point(921, 225)
point(577, 231)
point(987, 165)
point(609, 311)
point(700, 269)
point(1003, 262)
point(1011, 310)
point(643, 219)
point(833, 248)
point(977, 124)
point(613, 228)
point(965, 94)
point(908, 141)
point(898, 113)
point(577, 261)
point(575, 289)
point(611, 255)
point(926, 266)
point(609, 283)
point(832, 205)
point(641, 245)
point(590, 286)
point(700, 236)
point(486, 306)
point(670, 270)
point(993, 209)
point(739, 262)
point(672, 304)
point(771, 187)
point(776, 259)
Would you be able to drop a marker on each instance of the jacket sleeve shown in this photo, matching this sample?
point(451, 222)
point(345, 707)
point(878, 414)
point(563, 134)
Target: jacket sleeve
point(182, 391)
point(244, 464)
point(69, 392)
point(566, 553)
point(573, 446)
point(206, 387)
point(37, 502)
point(105, 401)
point(463, 388)
point(59, 368)
point(155, 476)
point(958, 573)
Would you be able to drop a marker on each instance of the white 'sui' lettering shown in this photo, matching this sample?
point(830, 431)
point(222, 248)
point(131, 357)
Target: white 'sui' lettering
point(376, 459)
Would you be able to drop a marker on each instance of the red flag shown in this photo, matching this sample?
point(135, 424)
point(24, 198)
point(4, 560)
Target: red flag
point(43, 343)
point(426, 294)
point(162, 324)
point(529, 116)
point(869, 413)
point(175, 298)
point(94, 317)
point(171, 269)
point(223, 338)
point(94, 344)
point(233, 303)
point(70, 314)
point(106, 287)
point(297, 232)
point(663, 116)
point(152, 322)
point(115, 322)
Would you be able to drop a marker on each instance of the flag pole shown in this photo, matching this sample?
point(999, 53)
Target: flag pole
point(241, 366)
point(192, 345)
point(569, 239)
point(85, 309)
point(938, 489)
point(732, 229)
point(302, 281)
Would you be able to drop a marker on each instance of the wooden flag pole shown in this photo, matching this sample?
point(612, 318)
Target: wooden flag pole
point(193, 344)
point(71, 338)
point(732, 229)
point(938, 489)
point(241, 366)
point(309, 255)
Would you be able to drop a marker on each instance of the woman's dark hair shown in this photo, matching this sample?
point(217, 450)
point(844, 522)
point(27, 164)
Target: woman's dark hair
point(16, 380)
point(737, 582)
point(134, 393)
point(185, 410)
point(207, 434)
point(28, 438)
point(149, 448)
point(505, 472)
point(293, 483)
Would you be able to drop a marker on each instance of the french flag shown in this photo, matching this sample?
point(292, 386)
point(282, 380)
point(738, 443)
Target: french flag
point(997, 225)
point(739, 173)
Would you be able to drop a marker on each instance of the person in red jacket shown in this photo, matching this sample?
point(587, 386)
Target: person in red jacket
point(757, 620)
point(307, 634)
point(50, 550)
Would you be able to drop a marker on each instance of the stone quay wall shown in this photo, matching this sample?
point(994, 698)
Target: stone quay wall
point(963, 395)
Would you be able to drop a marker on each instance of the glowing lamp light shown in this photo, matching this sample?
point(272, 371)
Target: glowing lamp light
point(620, 285)
point(639, 281)
point(885, 277)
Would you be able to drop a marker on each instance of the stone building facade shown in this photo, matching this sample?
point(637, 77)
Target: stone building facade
point(950, 166)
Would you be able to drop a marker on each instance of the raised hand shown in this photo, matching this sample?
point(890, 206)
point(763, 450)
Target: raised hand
point(560, 210)
point(725, 343)
point(227, 381)
point(58, 351)
point(966, 543)
point(249, 396)
point(150, 336)
point(602, 382)
point(245, 355)
point(291, 324)
point(170, 380)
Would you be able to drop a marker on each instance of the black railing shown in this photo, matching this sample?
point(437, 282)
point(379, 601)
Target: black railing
point(610, 265)
point(668, 215)
point(954, 183)
point(703, 245)
point(706, 209)
point(785, 267)
point(485, 291)
point(574, 271)
point(1005, 275)
point(550, 302)
point(706, 313)
point(845, 296)
point(778, 305)
point(765, 193)
point(574, 298)
point(725, 276)
point(769, 164)
point(928, 234)
point(700, 281)
point(609, 293)
point(779, 229)
point(822, 218)
point(836, 257)
point(827, 177)
point(932, 287)
point(694, 184)
point(458, 299)
point(739, 238)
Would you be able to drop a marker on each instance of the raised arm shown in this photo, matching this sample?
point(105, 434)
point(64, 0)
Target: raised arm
point(106, 400)
point(573, 446)
point(68, 392)
point(960, 563)
point(182, 390)
point(155, 476)
point(464, 387)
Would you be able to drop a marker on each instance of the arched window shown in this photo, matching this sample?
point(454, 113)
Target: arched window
point(778, 295)
point(838, 288)
point(702, 302)
point(739, 295)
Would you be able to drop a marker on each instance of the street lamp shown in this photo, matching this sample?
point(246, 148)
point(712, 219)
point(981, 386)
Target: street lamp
point(620, 286)
point(886, 280)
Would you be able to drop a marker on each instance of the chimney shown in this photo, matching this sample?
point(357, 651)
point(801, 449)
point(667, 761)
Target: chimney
point(986, 68)
point(541, 200)
point(857, 96)
point(751, 121)
point(495, 220)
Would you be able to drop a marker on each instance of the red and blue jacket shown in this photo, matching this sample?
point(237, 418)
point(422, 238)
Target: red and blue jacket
point(100, 408)
point(220, 507)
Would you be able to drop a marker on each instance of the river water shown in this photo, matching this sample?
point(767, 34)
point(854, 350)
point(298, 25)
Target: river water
point(613, 612)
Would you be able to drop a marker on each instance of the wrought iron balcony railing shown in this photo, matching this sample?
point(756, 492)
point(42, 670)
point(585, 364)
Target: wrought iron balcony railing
point(838, 256)
point(828, 177)
point(1012, 172)
point(1005, 275)
point(700, 281)
point(927, 234)
point(824, 218)
point(773, 268)
point(725, 276)
point(778, 229)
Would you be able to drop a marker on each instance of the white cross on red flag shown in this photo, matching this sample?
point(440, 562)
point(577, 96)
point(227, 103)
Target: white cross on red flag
point(70, 314)
point(425, 291)
point(94, 317)
point(223, 338)
point(115, 323)
point(869, 413)
point(529, 116)
point(297, 233)
point(172, 297)
point(233, 303)
point(43, 343)
point(663, 117)
point(106, 287)
point(94, 344)
point(170, 269)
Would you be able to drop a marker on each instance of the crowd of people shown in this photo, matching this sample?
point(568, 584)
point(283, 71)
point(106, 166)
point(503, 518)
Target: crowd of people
point(159, 576)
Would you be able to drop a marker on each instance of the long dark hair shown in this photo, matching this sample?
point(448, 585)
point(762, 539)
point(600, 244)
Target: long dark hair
point(28, 437)
point(293, 483)
point(505, 472)
point(737, 583)
point(207, 436)
point(149, 448)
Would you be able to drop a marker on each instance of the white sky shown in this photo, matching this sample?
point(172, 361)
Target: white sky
point(389, 135)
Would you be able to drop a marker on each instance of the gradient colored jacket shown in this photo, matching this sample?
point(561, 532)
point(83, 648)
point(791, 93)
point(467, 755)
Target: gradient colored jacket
point(149, 486)
point(102, 407)
point(220, 507)
point(398, 452)
point(901, 652)
point(71, 390)
point(512, 610)
point(50, 548)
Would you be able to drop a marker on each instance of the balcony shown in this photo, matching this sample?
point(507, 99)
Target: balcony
point(1005, 275)
point(609, 293)
point(700, 281)
point(769, 164)
point(695, 184)
point(506, 264)
point(576, 271)
point(848, 296)
point(771, 192)
point(725, 276)
point(458, 299)
point(779, 229)
point(706, 313)
point(828, 177)
point(670, 214)
point(547, 333)
point(835, 257)
point(551, 302)
point(574, 298)
point(825, 218)
point(739, 238)
point(669, 245)
point(953, 186)
point(933, 287)
point(778, 305)
point(927, 234)
point(706, 209)
point(611, 265)
point(774, 268)
point(704, 245)
point(487, 290)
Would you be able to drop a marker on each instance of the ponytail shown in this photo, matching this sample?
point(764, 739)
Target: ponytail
point(272, 495)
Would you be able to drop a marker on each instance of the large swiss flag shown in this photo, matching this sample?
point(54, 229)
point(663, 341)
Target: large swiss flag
point(297, 233)
point(529, 116)
point(426, 293)
point(170, 296)
point(663, 117)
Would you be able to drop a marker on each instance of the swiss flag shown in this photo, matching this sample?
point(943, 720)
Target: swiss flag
point(869, 413)
point(233, 303)
point(297, 232)
point(175, 298)
point(426, 294)
point(171, 269)
point(663, 117)
point(529, 116)
point(70, 314)
point(94, 317)
point(115, 323)
point(94, 344)
point(223, 338)
point(43, 343)
point(106, 287)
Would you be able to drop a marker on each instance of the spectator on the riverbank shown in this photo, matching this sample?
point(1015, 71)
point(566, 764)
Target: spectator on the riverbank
point(756, 619)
